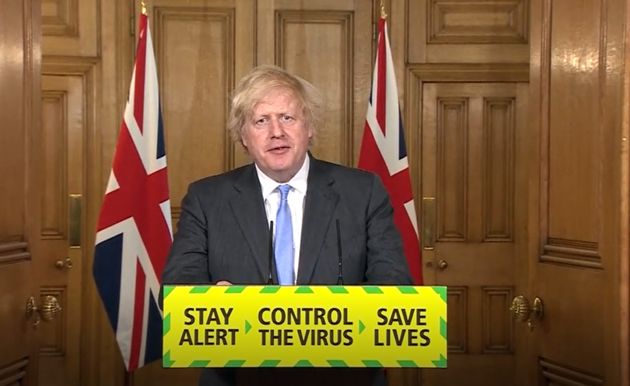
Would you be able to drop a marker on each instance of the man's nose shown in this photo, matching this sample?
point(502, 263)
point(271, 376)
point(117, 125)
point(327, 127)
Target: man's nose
point(276, 128)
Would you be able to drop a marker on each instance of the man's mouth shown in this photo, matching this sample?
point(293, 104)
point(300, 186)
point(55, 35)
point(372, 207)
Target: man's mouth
point(278, 149)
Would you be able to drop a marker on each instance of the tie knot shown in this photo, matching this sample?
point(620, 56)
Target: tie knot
point(284, 191)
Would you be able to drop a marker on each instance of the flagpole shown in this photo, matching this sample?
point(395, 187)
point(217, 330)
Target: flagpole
point(143, 8)
point(383, 14)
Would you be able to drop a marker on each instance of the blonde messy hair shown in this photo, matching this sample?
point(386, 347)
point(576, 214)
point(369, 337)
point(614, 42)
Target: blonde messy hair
point(257, 84)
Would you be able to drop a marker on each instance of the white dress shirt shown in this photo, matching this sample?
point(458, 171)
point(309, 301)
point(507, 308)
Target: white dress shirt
point(297, 194)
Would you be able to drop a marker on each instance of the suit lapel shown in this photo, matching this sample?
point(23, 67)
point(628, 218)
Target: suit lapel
point(321, 200)
point(249, 211)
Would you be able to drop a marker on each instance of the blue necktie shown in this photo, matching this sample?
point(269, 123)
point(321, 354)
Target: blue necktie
point(284, 239)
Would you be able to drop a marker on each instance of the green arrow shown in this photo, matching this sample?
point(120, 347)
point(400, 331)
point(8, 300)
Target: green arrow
point(200, 289)
point(234, 289)
point(371, 363)
point(441, 291)
point(167, 290)
point(440, 362)
point(337, 363)
point(407, 290)
point(166, 325)
point(235, 363)
point(270, 363)
point(247, 326)
point(166, 360)
point(303, 363)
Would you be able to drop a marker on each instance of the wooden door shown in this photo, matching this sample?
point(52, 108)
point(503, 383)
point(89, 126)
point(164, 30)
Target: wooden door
point(579, 190)
point(69, 47)
point(60, 272)
point(466, 105)
point(19, 205)
point(474, 190)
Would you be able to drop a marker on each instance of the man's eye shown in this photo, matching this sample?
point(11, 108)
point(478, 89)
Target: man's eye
point(260, 121)
point(287, 118)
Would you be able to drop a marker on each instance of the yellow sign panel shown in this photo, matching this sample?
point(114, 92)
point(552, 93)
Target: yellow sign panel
point(304, 326)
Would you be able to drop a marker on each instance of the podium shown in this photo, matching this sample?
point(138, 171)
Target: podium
point(304, 326)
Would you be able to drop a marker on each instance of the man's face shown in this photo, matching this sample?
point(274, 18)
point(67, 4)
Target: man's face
point(277, 137)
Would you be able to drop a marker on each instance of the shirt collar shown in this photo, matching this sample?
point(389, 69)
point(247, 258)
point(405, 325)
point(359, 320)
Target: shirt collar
point(298, 182)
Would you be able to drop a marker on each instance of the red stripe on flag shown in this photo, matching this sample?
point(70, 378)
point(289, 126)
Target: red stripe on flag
point(399, 188)
point(125, 202)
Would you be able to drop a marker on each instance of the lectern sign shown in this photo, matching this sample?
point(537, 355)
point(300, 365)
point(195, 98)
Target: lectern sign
point(304, 326)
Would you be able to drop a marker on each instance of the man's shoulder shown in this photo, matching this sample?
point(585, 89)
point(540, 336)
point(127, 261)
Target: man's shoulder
point(220, 181)
point(343, 173)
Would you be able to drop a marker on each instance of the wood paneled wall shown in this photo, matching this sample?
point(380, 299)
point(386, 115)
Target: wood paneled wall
point(20, 169)
point(463, 70)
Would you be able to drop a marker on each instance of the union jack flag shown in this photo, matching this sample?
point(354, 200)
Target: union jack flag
point(134, 230)
point(383, 149)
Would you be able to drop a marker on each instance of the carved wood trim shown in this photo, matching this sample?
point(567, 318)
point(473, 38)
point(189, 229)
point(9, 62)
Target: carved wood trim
point(475, 22)
point(53, 342)
point(452, 158)
point(55, 227)
point(469, 72)
point(545, 89)
point(68, 65)
point(14, 373)
point(497, 325)
point(458, 319)
point(553, 373)
point(577, 253)
point(499, 196)
point(65, 22)
point(13, 251)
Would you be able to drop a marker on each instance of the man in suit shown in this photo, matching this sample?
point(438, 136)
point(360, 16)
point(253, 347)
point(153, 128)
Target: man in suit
point(223, 231)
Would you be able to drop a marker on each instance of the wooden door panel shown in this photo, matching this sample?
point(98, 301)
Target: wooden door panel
point(472, 165)
point(486, 31)
point(19, 205)
point(60, 271)
point(70, 27)
point(578, 231)
point(328, 43)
